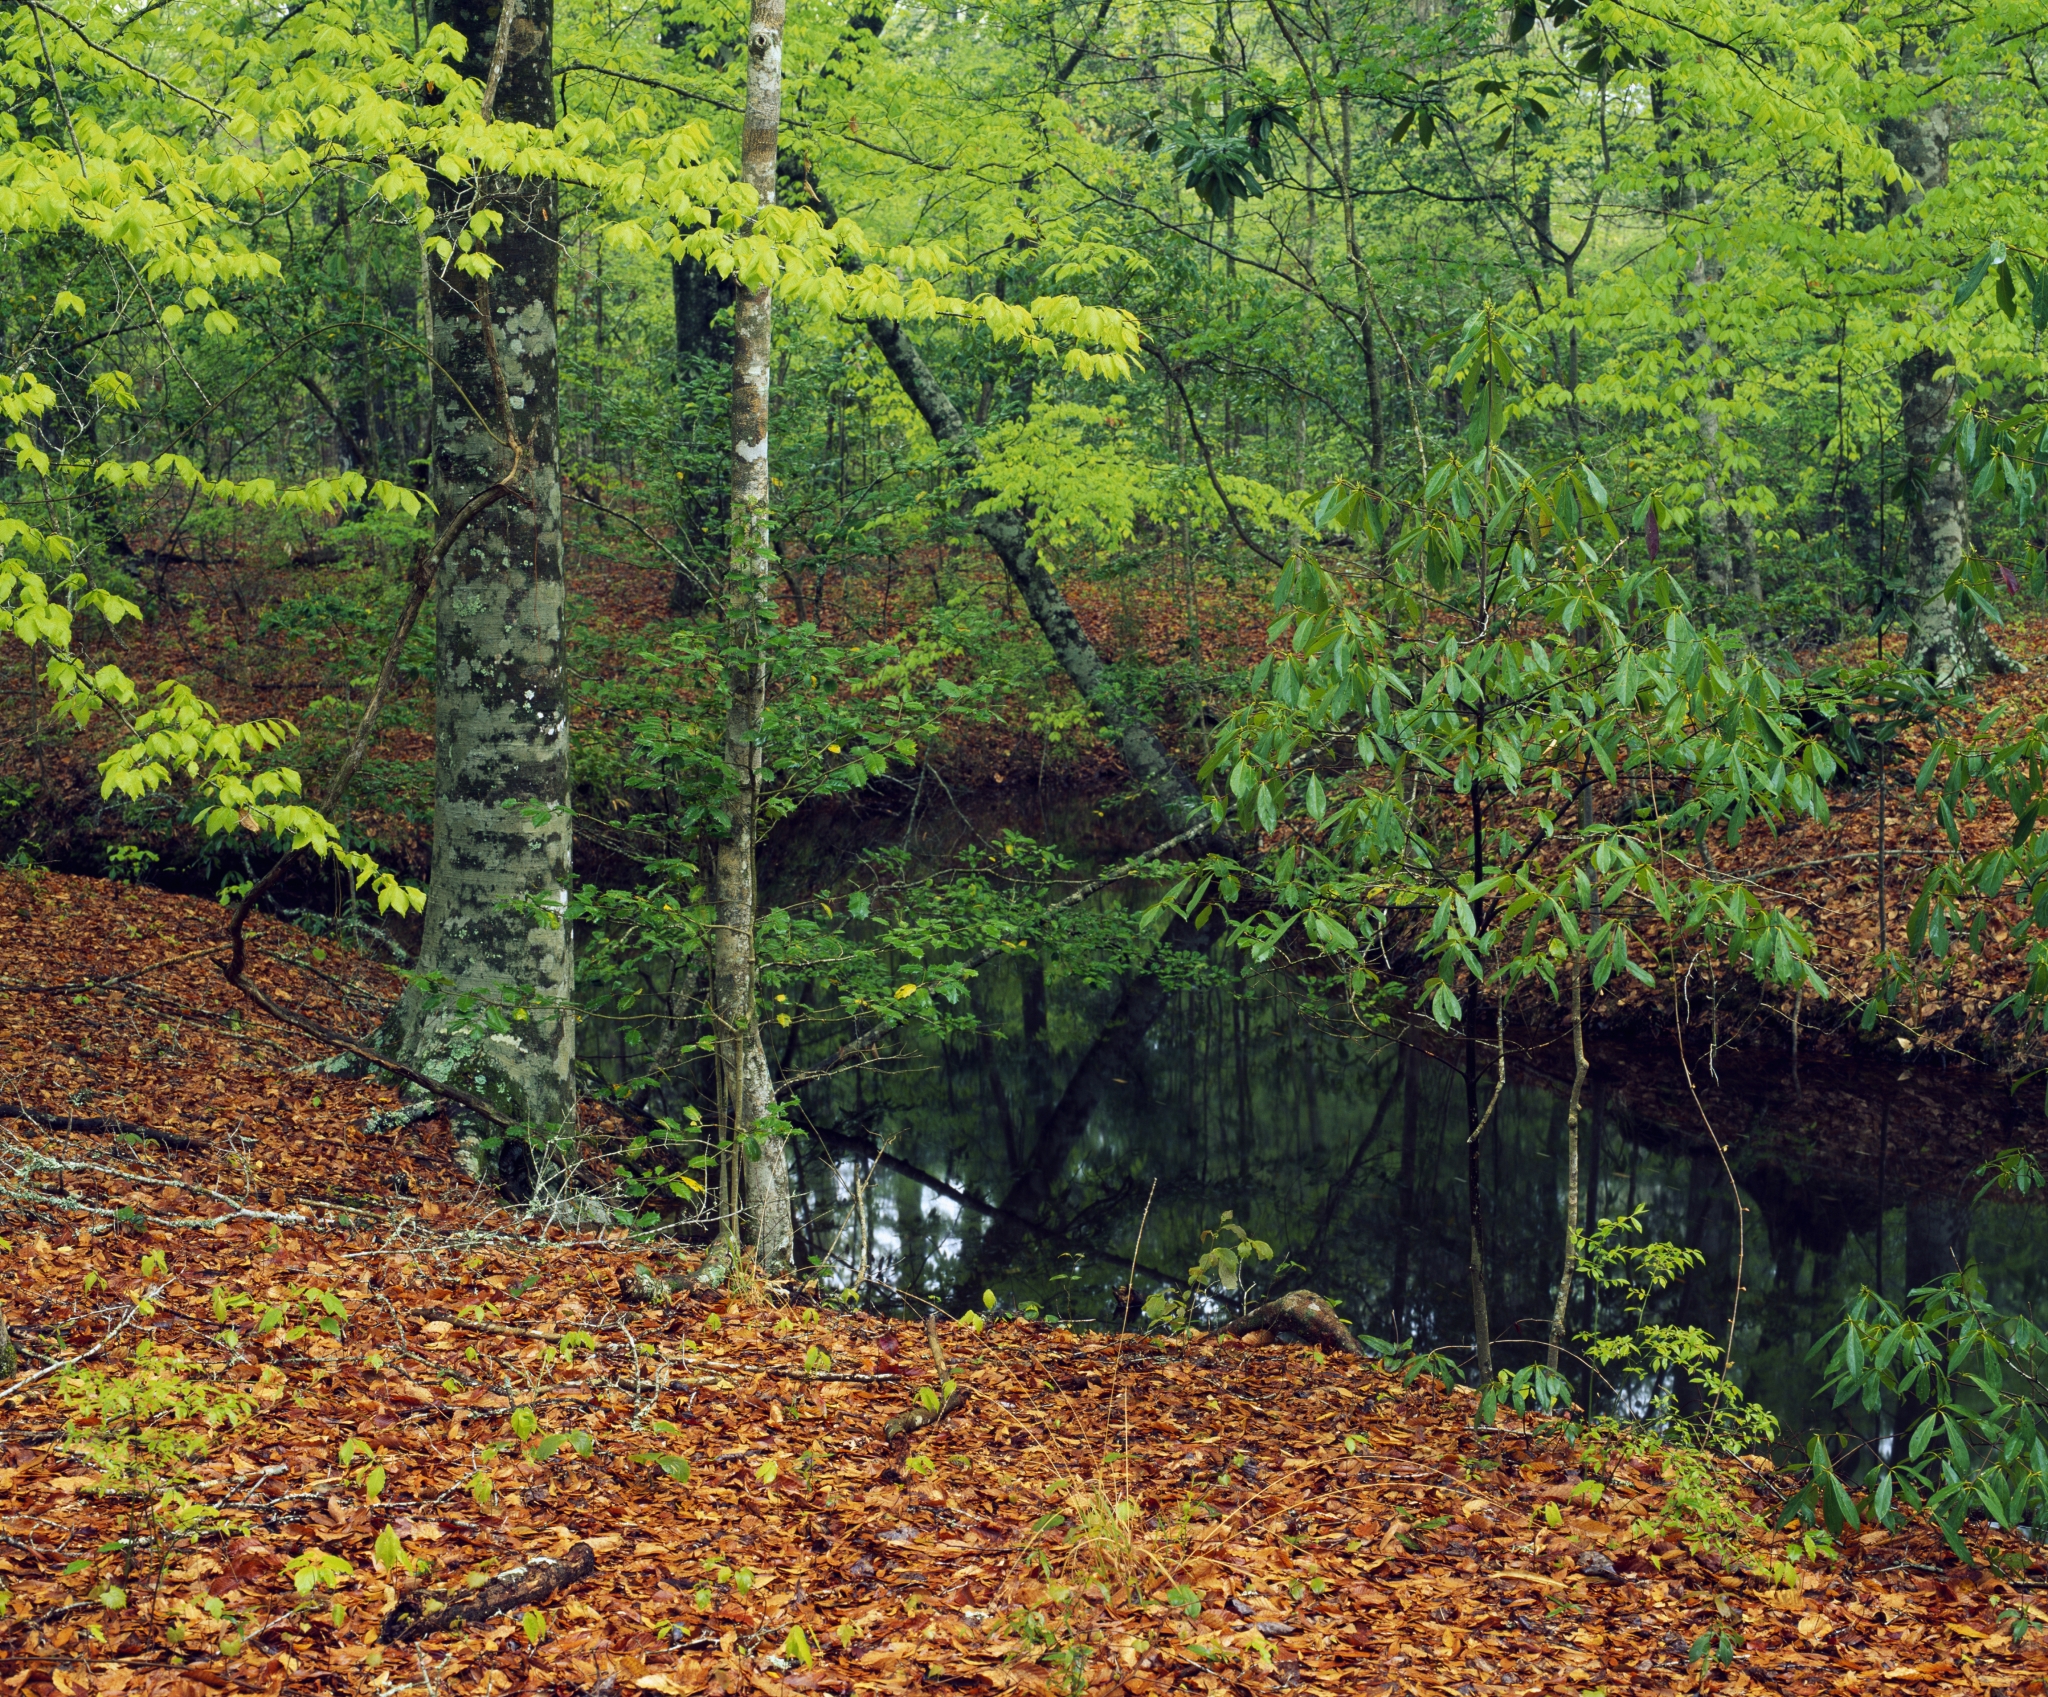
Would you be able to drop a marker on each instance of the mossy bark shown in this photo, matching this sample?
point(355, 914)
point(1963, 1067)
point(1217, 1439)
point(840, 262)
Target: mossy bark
point(1947, 639)
point(492, 1008)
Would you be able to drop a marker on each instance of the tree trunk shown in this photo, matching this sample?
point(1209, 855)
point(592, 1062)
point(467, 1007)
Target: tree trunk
point(1560, 1314)
point(746, 1099)
point(1475, 1202)
point(498, 969)
point(704, 356)
point(1937, 1244)
point(1406, 1223)
point(1946, 640)
point(1008, 532)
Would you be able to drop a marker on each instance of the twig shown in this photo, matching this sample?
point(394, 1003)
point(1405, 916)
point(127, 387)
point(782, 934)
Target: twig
point(83, 984)
point(1209, 465)
point(1500, 1081)
point(120, 1326)
point(950, 1395)
point(1734, 1190)
point(501, 51)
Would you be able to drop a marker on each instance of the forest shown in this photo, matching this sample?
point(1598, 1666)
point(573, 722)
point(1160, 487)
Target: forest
point(1291, 756)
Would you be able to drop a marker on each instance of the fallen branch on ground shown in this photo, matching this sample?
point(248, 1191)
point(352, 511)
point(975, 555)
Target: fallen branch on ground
point(27, 1379)
point(101, 1126)
point(949, 1396)
point(531, 1583)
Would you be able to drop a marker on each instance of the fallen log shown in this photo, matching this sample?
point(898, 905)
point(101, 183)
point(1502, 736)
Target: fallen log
point(523, 1587)
point(1305, 1315)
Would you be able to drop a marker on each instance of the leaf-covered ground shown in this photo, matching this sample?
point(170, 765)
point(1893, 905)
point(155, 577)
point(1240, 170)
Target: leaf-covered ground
point(422, 1372)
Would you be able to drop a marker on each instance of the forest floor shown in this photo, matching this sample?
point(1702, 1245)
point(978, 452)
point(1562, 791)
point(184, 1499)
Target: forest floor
point(417, 1389)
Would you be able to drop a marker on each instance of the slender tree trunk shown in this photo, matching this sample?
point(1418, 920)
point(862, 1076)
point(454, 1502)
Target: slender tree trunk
point(1404, 1190)
point(1752, 556)
point(1715, 558)
point(1559, 1315)
point(1008, 532)
point(1375, 414)
point(495, 933)
point(1476, 1121)
point(1597, 1128)
point(746, 1099)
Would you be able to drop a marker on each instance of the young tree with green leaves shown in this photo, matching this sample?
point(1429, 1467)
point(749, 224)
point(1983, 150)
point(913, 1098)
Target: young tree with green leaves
point(1491, 752)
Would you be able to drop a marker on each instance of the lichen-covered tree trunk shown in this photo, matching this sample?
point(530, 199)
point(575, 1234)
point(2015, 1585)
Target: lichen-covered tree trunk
point(1946, 640)
point(492, 1011)
point(745, 1096)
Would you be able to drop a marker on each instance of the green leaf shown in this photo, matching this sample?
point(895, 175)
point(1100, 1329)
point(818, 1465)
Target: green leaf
point(1973, 278)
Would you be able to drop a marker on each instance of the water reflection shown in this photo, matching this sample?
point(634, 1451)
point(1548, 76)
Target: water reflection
point(1022, 1161)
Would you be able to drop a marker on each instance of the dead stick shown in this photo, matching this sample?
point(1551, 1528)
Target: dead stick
point(101, 1126)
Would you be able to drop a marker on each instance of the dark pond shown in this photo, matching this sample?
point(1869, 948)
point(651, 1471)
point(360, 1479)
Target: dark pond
point(1344, 1149)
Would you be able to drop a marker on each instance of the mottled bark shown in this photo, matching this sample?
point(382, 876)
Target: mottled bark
point(492, 1010)
point(1008, 532)
point(1947, 640)
point(746, 1098)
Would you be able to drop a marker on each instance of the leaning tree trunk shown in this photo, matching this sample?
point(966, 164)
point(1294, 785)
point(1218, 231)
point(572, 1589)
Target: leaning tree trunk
point(746, 1100)
point(1008, 532)
point(491, 1008)
point(1947, 640)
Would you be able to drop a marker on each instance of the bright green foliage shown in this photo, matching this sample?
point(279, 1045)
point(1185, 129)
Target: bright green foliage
point(1963, 1378)
point(1419, 750)
point(1673, 1378)
point(311, 1569)
point(1219, 1275)
point(1230, 1249)
point(142, 1426)
point(181, 737)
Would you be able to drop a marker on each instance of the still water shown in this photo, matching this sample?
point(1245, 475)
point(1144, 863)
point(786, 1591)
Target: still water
point(1040, 1150)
